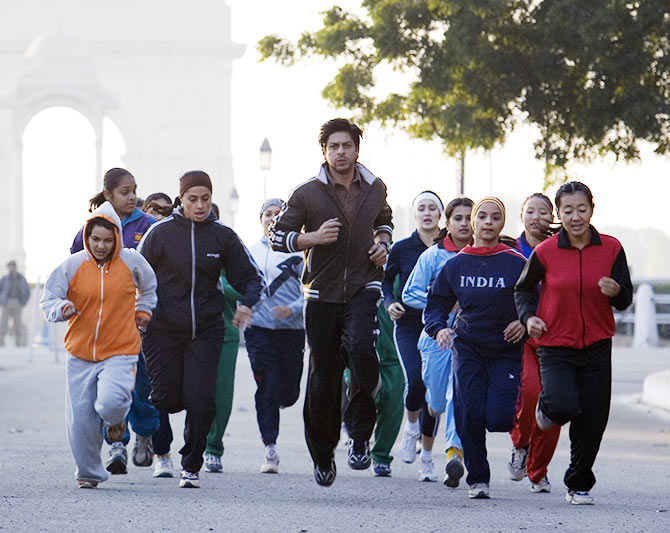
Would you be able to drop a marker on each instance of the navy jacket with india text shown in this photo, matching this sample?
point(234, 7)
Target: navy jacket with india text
point(482, 280)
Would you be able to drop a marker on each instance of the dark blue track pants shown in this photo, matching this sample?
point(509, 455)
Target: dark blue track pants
point(486, 386)
point(276, 357)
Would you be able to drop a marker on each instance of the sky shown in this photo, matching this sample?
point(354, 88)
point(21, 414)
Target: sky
point(285, 106)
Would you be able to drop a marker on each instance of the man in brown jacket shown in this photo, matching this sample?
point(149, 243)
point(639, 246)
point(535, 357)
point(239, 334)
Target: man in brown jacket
point(341, 219)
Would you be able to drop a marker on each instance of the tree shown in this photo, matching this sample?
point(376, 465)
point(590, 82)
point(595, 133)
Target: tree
point(593, 76)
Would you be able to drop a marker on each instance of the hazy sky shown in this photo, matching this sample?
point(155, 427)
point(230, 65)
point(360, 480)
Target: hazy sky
point(284, 105)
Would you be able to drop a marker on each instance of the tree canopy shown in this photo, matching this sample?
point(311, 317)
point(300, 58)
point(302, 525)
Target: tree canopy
point(593, 76)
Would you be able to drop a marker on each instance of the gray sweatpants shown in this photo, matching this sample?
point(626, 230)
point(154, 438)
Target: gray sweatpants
point(97, 394)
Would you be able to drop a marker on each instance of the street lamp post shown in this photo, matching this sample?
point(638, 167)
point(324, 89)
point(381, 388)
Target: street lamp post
point(233, 204)
point(266, 162)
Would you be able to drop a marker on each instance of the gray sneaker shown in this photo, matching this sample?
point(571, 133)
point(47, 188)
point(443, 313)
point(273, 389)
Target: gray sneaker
point(143, 451)
point(517, 464)
point(478, 491)
point(213, 463)
point(118, 459)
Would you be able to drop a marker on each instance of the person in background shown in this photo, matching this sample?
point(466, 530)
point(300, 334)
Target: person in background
point(347, 227)
point(427, 208)
point(14, 295)
point(102, 341)
point(157, 205)
point(183, 343)
point(120, 190)
point(532, 448)
point(436, 363)
point(225, 375)
point(487, 336)
point(275, 340)
point(583, 274)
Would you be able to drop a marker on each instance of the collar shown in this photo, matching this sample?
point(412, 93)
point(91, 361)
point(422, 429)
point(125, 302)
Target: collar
point(324, 176)
point(137, 213)
point(485, 250)
point(449, 245)
point(564, 240)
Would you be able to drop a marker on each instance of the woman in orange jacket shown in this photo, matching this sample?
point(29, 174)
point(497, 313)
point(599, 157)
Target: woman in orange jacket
point(95, 290)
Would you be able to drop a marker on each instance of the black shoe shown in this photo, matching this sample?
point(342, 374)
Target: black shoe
point(359, 455)
point(325, 476)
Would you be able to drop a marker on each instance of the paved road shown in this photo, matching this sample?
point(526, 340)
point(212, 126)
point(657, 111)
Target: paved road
point(37, 490)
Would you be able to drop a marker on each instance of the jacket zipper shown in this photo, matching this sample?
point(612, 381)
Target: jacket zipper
point(581, 310)
point(192, 280)
point(102, 295)
point(346, 263)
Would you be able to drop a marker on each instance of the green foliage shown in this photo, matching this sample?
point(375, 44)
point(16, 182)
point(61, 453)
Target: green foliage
point(593, 76)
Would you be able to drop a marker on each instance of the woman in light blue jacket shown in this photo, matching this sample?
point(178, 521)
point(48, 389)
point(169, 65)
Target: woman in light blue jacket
point(436, 363)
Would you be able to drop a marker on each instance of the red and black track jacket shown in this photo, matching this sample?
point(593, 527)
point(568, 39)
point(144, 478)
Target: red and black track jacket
point(576, 312)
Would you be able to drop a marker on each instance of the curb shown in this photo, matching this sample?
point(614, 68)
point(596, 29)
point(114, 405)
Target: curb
point(656, 390)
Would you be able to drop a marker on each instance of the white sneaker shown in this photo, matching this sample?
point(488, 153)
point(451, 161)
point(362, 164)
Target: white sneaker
point(408, 449)
point(271, 463)
point(163, 466)
point(478, 491)
point(517, 464)
point(213, 463)
point(143, 452)
point(427, 470)
point(541, 486)
point(579, 497)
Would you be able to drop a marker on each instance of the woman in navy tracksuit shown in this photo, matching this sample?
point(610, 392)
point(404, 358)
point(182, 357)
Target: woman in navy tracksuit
point(486, 336)
point(182, 345)
point(427, 208)
point(583, 274)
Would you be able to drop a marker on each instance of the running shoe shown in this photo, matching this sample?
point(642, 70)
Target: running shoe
point(117, 460)
point(359, 455)
point(408, 449)
point(163, 466)
point(143, 451)
point(579, 497)
point(325, 476)
point(115, 433)
point(381, 469)
point(213, 463)
point(86, 483)
point(517, 464)
point(541, 419)
point(189, 480)
point(455, 468)
point(478, 491)
point(427, 470)
point(271, 463)
point(541, 486)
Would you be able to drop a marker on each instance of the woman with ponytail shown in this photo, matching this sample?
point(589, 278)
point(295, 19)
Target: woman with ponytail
point(533, 448)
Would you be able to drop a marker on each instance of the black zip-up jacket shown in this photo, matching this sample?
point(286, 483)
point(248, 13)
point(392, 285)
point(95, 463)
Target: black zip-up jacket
point(188, 257)
point(335, 272)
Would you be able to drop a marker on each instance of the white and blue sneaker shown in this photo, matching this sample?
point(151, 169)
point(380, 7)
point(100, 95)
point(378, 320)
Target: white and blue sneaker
point(213, 463)
point(381, 469)
point(579, 497)
point(189, 480)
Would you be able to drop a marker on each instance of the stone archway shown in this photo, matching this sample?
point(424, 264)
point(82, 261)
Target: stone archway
point(160, 71)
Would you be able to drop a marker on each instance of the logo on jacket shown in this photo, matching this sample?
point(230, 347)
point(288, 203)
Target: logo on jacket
point(481, 281)
point(138, 237)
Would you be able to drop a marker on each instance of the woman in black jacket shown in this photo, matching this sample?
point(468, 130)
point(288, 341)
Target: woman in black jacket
point(182, 345)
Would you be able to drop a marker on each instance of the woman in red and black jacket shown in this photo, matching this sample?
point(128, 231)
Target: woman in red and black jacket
point(583, 274)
